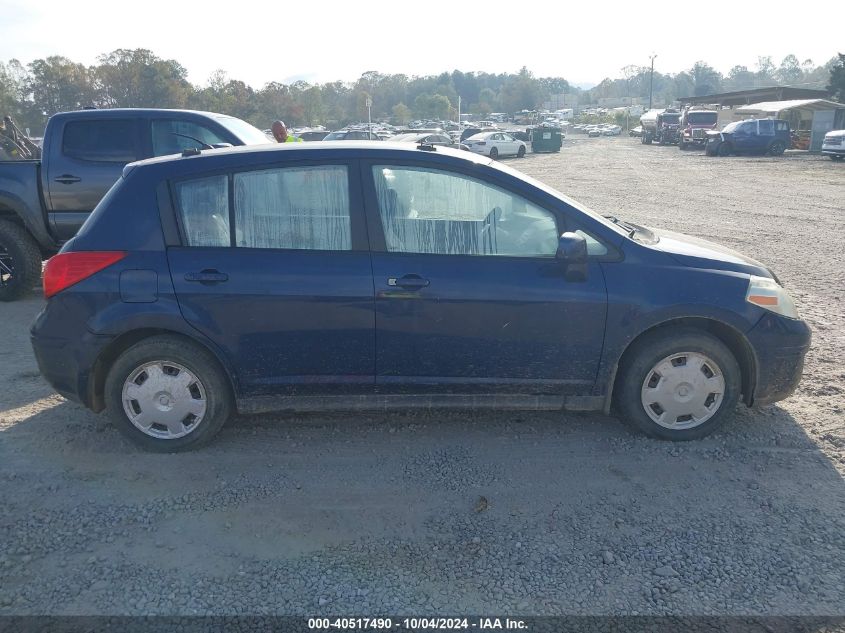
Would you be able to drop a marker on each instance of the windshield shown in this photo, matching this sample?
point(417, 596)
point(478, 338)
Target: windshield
point(702, 118)
point(670, 118)
point(336, 136)
point(730, 127)
point(248, 134)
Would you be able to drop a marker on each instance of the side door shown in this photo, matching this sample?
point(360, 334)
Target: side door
point(744, 136)
point(469, 295)
point(765, 134)
point(510, 143)
point(275, 270)
point(85, 159)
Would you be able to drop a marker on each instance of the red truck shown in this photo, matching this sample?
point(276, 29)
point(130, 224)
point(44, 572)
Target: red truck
point(695, 123)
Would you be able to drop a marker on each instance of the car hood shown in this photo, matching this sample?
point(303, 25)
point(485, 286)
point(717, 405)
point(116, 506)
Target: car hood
point(698, 253)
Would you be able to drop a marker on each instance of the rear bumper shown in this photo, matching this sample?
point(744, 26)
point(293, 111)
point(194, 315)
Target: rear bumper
point(66, 354)
point(780, 345)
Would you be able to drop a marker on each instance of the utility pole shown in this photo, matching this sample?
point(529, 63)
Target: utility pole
point(651, 80)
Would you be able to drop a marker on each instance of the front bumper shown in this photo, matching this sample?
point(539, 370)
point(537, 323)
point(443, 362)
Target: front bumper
point(833, 151)
point(780, 345)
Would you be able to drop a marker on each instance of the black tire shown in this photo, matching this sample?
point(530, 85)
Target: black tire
point(647, 139)
point(198, 360)
point(521, 152)
point(20, 261)
point(834, 157)
point(725, 149)
point(494, 153)
point(777, 148)
point(647, 353)
point(681, 145)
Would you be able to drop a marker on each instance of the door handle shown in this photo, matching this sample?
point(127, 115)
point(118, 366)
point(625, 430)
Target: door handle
point(207, 277)
point(68, 179)
point(408, 282)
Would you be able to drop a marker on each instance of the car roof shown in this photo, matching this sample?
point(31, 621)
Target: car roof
point(325, 150)
point(111, 112)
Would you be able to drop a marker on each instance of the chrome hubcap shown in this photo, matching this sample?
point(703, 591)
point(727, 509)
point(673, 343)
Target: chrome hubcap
point(164, 400)
point(683, 390)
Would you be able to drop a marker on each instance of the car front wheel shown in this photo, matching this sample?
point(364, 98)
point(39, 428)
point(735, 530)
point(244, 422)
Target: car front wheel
point(168, 394)
point(521, 152)
point(678, 384)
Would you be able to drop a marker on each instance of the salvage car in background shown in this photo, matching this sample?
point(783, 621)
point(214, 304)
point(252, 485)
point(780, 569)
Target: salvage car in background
point(495, 144)
point(754, 136)
point(372, 275)
point(834, 144)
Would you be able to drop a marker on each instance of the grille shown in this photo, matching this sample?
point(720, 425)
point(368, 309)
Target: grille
point(834, 140)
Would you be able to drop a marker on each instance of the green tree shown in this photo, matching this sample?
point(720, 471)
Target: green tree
point(401, 114)
point(836, 84)
point(706, 79)
point(790, 71)
point(57, 84)
point(137, 78)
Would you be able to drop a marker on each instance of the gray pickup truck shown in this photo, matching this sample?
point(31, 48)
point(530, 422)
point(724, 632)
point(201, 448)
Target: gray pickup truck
point(43, 203)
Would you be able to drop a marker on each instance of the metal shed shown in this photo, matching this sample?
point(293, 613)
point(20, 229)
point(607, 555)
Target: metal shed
point(818, 116)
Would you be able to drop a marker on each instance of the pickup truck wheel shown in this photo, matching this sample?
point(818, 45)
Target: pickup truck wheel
point(20, 261)
point(678, 384)
point(777, 148)
point(168, 394)
point(724, 149)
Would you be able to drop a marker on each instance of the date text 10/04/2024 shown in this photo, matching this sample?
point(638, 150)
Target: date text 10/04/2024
point(416, 624)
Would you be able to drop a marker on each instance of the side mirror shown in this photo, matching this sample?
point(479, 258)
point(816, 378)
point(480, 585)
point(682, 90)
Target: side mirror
point(572, 254)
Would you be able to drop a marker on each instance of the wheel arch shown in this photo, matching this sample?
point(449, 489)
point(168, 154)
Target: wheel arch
point(733, 339)
point(109, 354)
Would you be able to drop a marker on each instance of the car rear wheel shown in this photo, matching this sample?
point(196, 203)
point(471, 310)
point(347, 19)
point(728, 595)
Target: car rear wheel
point(494, 153)
point(20, 262)
point(168, 394)
point(678, 384)
point(777, 148)
point(521, 152)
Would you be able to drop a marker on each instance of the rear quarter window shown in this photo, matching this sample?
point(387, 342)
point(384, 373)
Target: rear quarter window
point(101, 140)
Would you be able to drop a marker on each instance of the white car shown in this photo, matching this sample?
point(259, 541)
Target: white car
point(495, 144)
point(834, 145)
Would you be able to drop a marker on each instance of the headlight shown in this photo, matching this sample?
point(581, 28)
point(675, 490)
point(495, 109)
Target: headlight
point(769, 295)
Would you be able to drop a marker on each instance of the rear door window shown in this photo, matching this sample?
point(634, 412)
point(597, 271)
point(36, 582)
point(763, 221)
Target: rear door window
point(101, 140)
point(301, 208)
point(767, 128)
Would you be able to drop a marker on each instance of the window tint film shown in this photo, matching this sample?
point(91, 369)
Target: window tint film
point(172, 136)
point(104, 140)
point(204, 210)
point(294, 208)
point(429, 211)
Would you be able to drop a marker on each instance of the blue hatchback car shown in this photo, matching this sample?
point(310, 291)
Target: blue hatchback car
point(369, 275)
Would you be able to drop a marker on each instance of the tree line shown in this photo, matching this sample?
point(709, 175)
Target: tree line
point(138, 78)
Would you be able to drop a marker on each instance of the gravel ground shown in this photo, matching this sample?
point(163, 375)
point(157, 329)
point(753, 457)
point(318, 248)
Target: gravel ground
point(505, 513)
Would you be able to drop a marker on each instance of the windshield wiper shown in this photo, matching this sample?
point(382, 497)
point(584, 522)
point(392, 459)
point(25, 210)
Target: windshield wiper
point(632, 230)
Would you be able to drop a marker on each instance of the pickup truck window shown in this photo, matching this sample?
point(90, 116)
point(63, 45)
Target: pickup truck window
point(767, 127)
point(101, 140)
point(171, 136)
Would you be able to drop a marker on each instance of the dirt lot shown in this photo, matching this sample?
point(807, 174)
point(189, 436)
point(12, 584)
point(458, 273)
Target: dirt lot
point(376, 514)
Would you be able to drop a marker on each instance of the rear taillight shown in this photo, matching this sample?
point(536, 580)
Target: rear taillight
point(66, 269)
